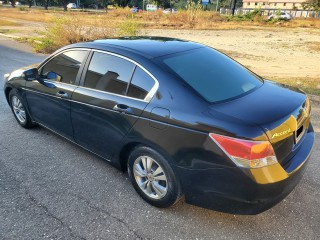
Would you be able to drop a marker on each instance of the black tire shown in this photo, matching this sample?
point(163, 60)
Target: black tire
point(173, 189)
point(27, 122)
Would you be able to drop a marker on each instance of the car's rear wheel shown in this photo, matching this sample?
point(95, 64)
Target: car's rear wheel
point(19, 110)
point(153, 178)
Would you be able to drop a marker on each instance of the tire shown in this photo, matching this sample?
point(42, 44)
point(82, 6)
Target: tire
point(19, 110)
point(156, 183)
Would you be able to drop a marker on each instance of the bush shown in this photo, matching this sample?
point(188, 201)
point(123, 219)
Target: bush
point(130, 27)
point(68, 29)
point(255, 15)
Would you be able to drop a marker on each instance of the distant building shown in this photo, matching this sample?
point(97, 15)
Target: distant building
point(274, 4)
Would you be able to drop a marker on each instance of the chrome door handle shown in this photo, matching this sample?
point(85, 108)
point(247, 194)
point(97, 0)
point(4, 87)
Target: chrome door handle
point(122, 108)
point(62, 94)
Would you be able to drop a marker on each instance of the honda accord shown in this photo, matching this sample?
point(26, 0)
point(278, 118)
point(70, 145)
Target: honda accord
point(182, 118)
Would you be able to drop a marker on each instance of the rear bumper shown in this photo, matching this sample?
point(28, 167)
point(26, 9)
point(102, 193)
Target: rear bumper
point(238, 191)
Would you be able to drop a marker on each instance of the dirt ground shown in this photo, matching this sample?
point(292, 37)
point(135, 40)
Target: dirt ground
point(270, 52)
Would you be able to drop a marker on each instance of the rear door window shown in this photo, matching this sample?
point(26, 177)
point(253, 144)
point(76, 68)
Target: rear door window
point(109, 73)
point(141, 84)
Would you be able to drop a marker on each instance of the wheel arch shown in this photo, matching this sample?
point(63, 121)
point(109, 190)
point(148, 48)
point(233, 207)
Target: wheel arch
point(129, 146)
point(7, 91)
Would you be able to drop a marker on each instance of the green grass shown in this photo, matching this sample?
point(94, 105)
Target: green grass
point(7, 31)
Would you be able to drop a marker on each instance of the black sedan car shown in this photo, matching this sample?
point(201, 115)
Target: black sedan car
point(182, 118)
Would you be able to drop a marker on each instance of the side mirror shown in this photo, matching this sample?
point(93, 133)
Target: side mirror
point(54, 76)
point(31, 74)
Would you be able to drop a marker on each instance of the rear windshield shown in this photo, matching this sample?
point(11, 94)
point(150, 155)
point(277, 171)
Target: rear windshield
point(212, 74)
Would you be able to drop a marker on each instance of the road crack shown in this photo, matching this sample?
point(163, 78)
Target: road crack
point(118, 219)
point(51, 215)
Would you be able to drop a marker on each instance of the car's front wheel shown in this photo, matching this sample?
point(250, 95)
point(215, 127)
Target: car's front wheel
point(153, 178)
point(19, 110)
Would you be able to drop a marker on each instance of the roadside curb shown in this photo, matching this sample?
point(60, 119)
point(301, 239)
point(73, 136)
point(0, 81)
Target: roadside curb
point(9, 36)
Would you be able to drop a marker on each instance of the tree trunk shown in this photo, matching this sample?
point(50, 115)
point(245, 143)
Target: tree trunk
point(65, 7)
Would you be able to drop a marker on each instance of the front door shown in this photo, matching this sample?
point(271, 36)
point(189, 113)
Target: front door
point(49, 99)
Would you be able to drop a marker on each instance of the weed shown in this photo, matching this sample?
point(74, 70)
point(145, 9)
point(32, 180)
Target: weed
point(68, 29)
point(130, 27)
point(8, 23)
point(255, 15)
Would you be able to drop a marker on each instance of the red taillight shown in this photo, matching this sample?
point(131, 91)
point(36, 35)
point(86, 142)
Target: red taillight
point(244, 153)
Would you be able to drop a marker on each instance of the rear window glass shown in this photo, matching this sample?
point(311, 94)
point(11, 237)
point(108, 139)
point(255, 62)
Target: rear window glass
point(213, 75)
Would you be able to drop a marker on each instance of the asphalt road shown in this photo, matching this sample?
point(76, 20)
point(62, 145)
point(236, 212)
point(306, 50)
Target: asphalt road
point(52, 189)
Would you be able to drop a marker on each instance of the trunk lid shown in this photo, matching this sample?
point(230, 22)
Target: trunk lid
point(282, 112)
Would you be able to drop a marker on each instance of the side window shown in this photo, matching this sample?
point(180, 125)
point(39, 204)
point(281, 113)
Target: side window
point(141, 84)
point(66, 65)
point(108, 73)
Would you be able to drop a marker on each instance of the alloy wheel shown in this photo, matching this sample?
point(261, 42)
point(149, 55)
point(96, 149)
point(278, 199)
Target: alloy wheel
point(18, 109)
point(150, 177)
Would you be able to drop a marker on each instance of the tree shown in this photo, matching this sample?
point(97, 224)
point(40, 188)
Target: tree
point(45, 3)
point(13, 3)
point(64, 3)
point(312, 5)
point(30, 2)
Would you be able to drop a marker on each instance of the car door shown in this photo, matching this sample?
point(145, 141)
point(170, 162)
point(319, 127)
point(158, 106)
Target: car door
point(49, 99)
point(113, 94)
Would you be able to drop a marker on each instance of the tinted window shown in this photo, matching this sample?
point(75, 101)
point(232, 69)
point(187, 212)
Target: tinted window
point(212, 74)
point(141, 84)
point(108, 73)
point(66, 65)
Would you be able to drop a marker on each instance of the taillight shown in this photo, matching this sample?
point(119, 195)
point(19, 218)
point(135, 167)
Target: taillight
point(244, 153)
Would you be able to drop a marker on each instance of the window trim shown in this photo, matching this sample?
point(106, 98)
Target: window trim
point(78, 77)
point(147, 98)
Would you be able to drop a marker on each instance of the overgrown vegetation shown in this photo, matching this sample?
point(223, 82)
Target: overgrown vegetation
point(130, 27)
point(64, 30)
point(255, 15)
point(7, 23)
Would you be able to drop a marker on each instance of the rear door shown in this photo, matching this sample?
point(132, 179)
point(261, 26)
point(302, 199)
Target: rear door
point(114, 92)
point(49, 102)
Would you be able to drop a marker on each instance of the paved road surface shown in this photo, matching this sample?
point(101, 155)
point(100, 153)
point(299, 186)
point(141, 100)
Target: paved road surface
point(52, 189)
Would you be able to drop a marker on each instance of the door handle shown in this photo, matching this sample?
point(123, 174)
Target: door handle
point(122, 108)
point(62, 94)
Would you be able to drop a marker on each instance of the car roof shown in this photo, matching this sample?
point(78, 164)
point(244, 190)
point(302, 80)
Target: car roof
point(150, 47)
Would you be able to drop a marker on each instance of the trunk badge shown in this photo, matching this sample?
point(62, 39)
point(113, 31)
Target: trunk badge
point(278, 134)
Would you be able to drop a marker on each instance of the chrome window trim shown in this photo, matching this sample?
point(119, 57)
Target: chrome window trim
point(58, 53)
point(153, 89)
point(114, 94)
point(71, 100)
point(148, 97)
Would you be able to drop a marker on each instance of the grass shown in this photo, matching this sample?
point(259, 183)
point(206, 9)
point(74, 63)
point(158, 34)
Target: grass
point(68, 29)
point(7, 31)
point(8, 23)
point(192, 18)
point(308, 85)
